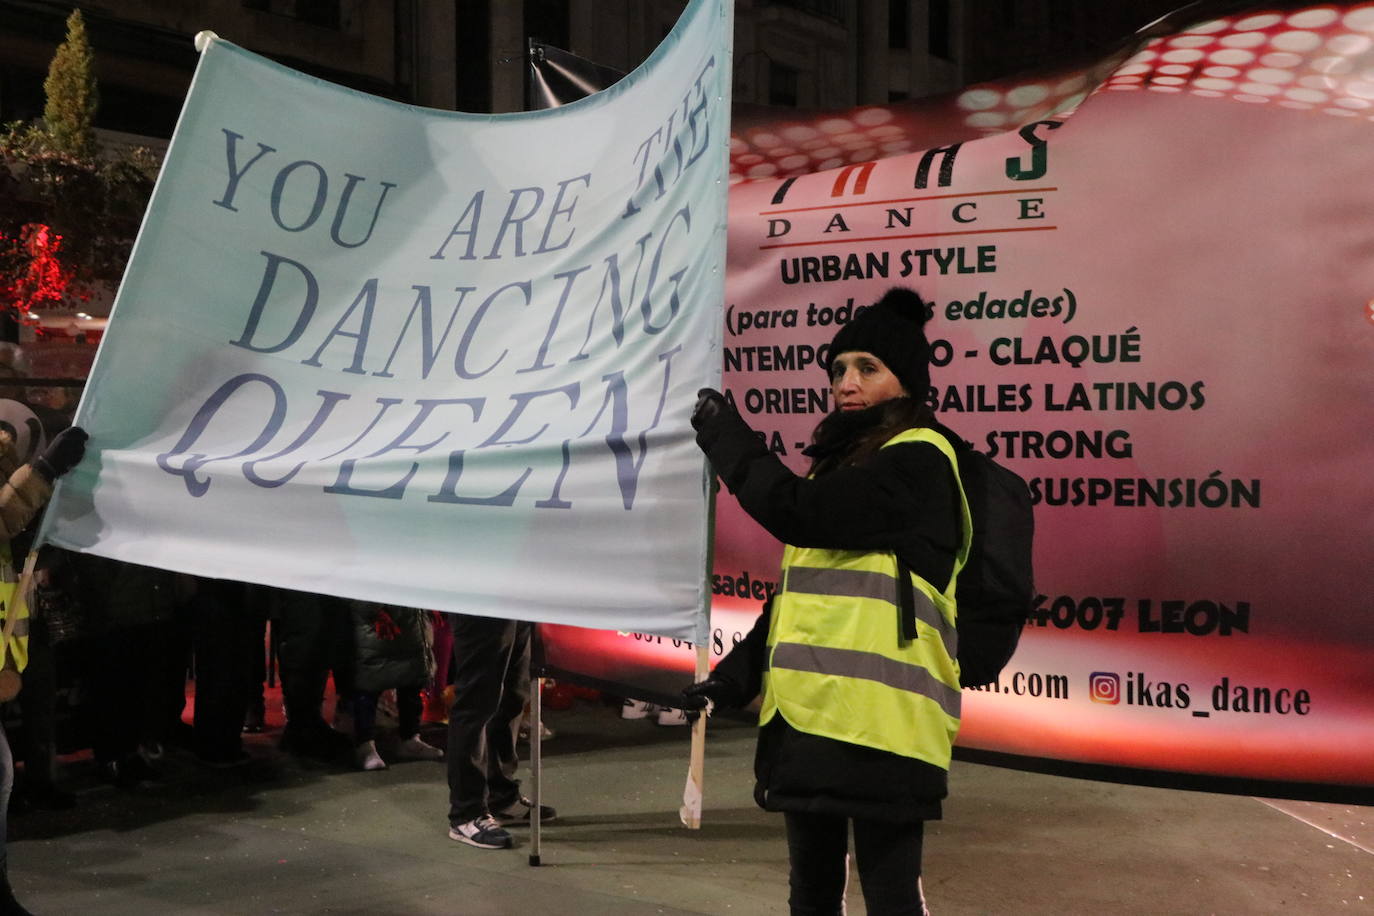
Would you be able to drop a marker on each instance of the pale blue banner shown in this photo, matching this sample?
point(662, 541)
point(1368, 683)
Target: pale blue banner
point(427, 358)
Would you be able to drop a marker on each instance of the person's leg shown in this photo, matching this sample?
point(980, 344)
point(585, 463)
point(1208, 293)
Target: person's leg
point(818, 856)
point(174, 674)
point(364, 716)
point(155, 665)
point(101, 701)
point(304, 635)
point(255, 650)
point(409, 705)
point(8, 905)
point(504, 728)
point(302, 670)
point(6, 787)
point(889, 863)
point(363, 706)
point(112, 702)
point(38, 701)
point(221, 671)
point(482, 648)
point(340, 654)
point(410, 746)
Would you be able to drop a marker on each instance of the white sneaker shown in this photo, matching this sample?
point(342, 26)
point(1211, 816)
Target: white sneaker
point(545, 733)
point(520, 809)
point(415, 748)
point(365, 757)
point(669, 716)
point(637, 709)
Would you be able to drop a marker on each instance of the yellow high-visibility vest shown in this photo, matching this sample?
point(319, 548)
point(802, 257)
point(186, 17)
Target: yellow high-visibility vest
point(838, 665)
point(12, 602)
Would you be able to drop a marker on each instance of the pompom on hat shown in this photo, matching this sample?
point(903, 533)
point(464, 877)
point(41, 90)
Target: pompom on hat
point(892, 329)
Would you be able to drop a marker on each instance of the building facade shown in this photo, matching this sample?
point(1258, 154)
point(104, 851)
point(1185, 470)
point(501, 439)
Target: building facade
point(470, 55)
point(145, 55)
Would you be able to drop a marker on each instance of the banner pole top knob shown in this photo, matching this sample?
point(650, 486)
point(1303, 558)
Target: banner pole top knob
point(203, 40)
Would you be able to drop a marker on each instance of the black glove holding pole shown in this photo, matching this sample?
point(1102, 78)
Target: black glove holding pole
point(711, 694)
point(706, 415)
point(722, 434)
point(63, 453)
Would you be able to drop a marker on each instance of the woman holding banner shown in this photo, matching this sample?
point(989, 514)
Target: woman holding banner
point(855, 656)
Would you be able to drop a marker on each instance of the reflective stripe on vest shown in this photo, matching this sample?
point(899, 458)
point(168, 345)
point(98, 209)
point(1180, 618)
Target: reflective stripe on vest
point(860, 584)
point(869, 666)
point(838, 664)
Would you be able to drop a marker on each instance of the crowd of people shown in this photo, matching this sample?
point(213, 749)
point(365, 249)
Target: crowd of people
point(127, 639)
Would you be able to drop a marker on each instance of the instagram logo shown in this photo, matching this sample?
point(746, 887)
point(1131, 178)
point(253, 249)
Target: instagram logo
point(1104, 687)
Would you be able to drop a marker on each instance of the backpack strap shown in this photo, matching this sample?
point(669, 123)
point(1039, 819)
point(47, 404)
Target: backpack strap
point(937, 438)
point(906, 598)
point(906, 602)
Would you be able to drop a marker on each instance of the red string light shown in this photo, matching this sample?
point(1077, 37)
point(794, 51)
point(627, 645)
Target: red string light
point(38, 278)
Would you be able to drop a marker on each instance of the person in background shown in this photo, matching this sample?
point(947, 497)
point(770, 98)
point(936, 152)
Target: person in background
point(392, 649)
point(54, 618)
point(491, 681)
point(25, 490)
point(855, 657)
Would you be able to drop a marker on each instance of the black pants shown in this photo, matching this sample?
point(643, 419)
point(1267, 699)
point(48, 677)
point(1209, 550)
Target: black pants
point(408, 709)
point(124, 690)
point(315, 640)
point(224, 639)
point(888, 856)
point(6, 787)
point(491, 682)
point(38, 700)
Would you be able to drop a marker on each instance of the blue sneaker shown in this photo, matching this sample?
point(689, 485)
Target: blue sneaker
point(483, 832)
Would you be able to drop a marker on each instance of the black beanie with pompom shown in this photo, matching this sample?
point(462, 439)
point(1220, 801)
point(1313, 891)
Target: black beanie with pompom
point(892, 329)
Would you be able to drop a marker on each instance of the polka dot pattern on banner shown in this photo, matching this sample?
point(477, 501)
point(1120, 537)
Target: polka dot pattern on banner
point(870, 133)
point(1317, 60)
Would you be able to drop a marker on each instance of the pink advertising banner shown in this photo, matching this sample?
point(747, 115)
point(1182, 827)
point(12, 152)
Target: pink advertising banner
point(1154, 301)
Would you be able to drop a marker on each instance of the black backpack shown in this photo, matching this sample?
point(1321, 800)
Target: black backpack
point(997, 584)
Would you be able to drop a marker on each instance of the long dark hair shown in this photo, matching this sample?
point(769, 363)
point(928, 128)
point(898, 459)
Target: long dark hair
point(847, 438)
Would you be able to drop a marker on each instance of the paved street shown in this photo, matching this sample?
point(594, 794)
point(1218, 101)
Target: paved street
point(279, 836)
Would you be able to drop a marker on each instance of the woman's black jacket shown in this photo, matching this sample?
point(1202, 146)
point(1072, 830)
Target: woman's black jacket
point(902, 498)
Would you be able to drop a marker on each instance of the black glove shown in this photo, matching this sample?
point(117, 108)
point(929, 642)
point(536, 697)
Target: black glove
point(710, 405)
point(713, 417)
point(722, 434)
point(63, 453)
point(721, 693)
